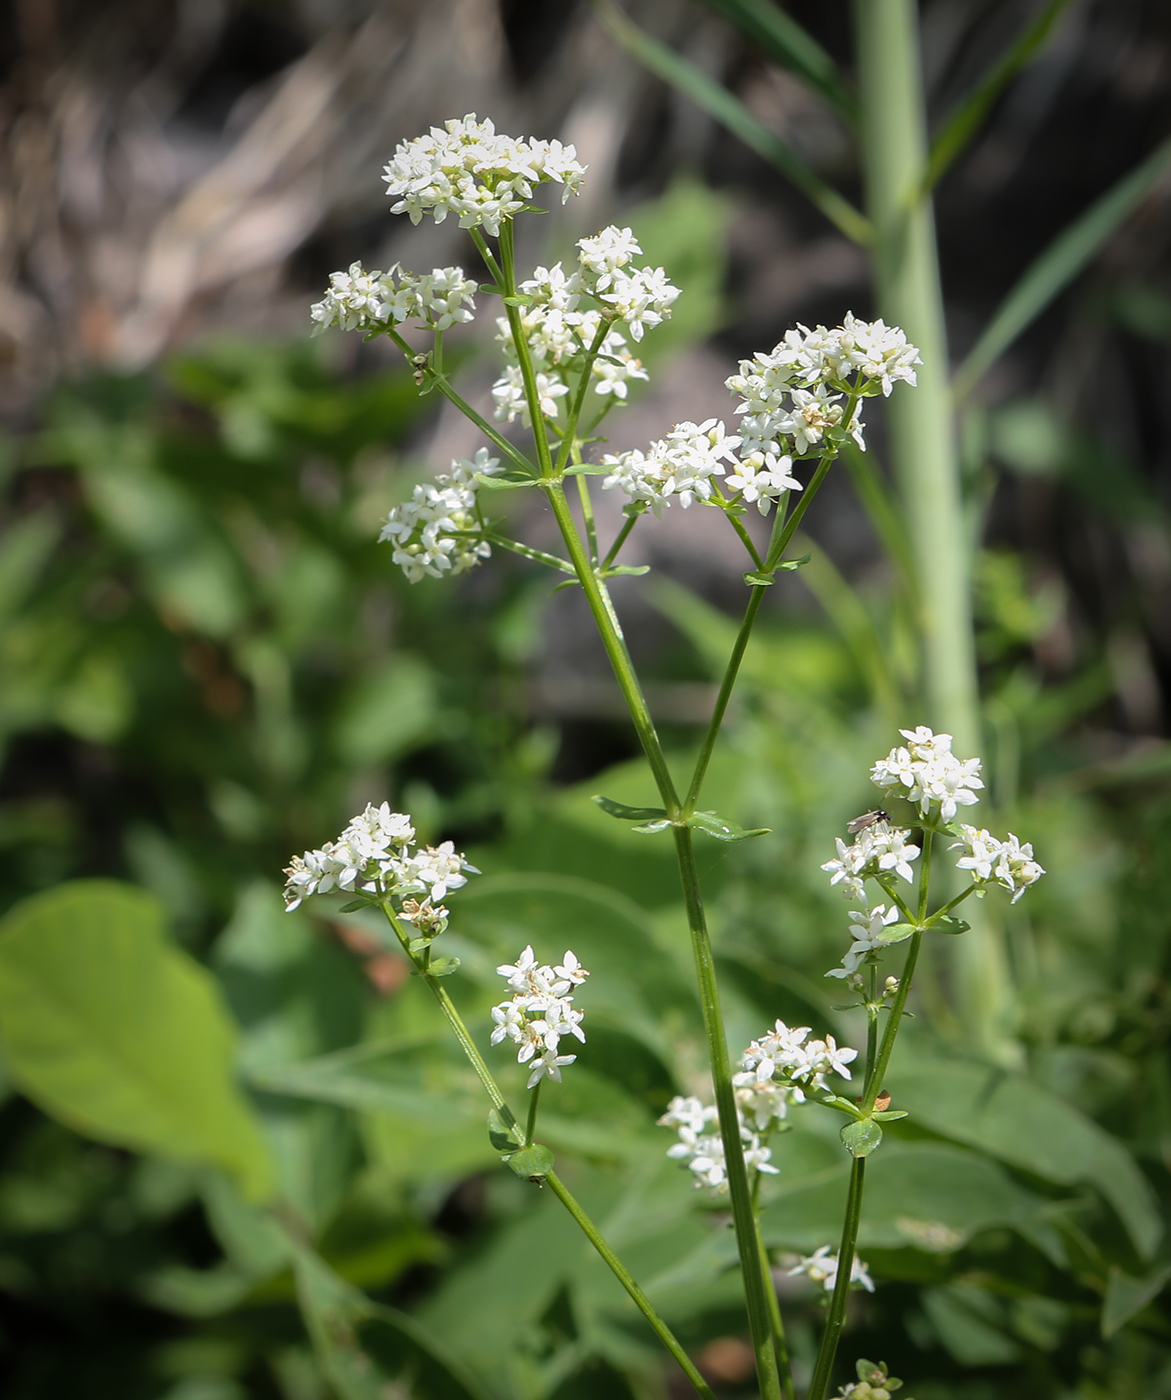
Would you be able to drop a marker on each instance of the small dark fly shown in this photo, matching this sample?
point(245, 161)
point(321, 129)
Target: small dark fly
point(867, 819)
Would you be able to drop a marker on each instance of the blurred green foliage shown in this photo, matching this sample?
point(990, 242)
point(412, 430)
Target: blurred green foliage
point(209, 665)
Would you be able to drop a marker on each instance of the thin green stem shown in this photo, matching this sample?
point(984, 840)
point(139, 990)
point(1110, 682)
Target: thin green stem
point(486, 253)
point(523, 354)
point(664, 1333)
point(780, 1344)
point(951, 903)
point(872, 1020)
point(587, 515)
point(528, 552)
point(828, 1351)
point(583, 384)
point(925, 874)
point(878, 1069)
point(746, 540)
point(622, 536)
point(783, 531)
point(560, 1190)
point(531, 1124)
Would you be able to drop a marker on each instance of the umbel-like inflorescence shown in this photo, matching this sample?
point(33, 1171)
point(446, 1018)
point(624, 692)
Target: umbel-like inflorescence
point(924, 771)
point(358, 300)
point(780, 1068)
point(440, 530)
point(540, 1012)
point(374, 856)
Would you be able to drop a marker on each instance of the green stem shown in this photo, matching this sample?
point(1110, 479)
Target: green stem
point(878, 1069)
point(783, 531)
point(746, 540)
point(828, 1351)
point(583, 384)
point(560, 1190)
point(486, 253)
point(872, 1021)
point(780, 1345)
point(922, 432)
point(523, 355)
point(664, 1333)
point(528, 552)
point(621, 538)
point(531, 1124)
point(587, 515)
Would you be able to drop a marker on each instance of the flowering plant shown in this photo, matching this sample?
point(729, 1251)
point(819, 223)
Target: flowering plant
point(566, 334)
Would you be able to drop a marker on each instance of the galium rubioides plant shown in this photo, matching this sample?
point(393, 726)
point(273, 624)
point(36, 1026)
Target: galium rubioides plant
point(569, 337)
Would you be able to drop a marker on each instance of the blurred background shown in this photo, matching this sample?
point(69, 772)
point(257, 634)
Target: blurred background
point(206, 664)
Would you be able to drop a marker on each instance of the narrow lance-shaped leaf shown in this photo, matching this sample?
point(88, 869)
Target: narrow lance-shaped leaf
point(787, 43)
point(714, 98)
point(963, 122)
point(1058, 265)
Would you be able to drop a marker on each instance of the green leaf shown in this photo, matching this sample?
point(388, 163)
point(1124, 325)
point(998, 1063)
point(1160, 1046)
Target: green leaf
point(651, 828)
point(587, 469)
point(502, 1135)
point(532, 1163)
point(633, 570)
point(760, 579)
point(963, 121)
point(724, 830)
point(1126, 1296)
point(1058, 265)
point(1016, 1120)
point(109, 1027)
point(861, 1138)
point(443, 967)
point(788, 565)
point(354, 905)
point(950, 924)
point(628, 814)
point(895, 933)
point(505, 481)
point(714, 98)
point(787, 43)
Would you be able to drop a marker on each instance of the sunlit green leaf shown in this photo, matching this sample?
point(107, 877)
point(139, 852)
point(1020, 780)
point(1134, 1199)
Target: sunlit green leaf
point(722, 829)
point(532, 1163)
point(860, 1139)
point(625, 813)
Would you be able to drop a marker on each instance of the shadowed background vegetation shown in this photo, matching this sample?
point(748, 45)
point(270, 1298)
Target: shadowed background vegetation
point(206, 664)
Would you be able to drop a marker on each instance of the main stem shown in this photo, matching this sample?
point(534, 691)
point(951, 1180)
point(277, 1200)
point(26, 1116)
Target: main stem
point(906, 269)
point(823, 1371)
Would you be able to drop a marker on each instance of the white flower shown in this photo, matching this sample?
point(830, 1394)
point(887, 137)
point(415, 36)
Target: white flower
point(511, 400)
point(822, 1268)
point(604, 254)
point(540, 1013)
point(763, 477)
point(615, 367)
point(868, 937)
point(465, 168)
point(438, 530)
point(1009, 863)
point(641, 299)
point(878, 351)
point(876, 850)
point(785, 1054)
point(359, 300)
point(445, 297)
point(703, 1152)
point(930, 772)
point(680, 465)
point(373, 855)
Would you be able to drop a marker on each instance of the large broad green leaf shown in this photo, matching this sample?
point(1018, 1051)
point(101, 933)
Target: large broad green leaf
point(1010, 1117)
point(111, 1028)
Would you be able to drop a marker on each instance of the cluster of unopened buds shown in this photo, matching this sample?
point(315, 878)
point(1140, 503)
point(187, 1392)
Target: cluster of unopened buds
point(874, 1383)
point(540, 1012)
point(374, 857)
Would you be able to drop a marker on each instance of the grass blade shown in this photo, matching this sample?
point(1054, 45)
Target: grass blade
point(714, 98)
point(1059, 264)
point(965, 119)
point(782, 39)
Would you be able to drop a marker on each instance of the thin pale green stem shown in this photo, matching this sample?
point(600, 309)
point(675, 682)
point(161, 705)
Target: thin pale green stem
point(746, 540)
point(828, 1351)
point(872, 1020)
point(523, 354)
point(620, 539)
point(560, 1190)
point(531, 1123)
point(783, 531)
point(587, 515)
point(578, 399)
point(890, 1034)
point(528, 552)
point(780, 1345)
point(664, 1333)
point(486, 253)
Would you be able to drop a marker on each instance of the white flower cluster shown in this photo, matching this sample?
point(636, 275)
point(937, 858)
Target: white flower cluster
point(367, 301)
point(439, 531)
point(373, 856)
point(878, 848)
point(784, 1054)
point(639, 297)
point(465, 168)
point(867, 934)
point(924, 770)
point(702, 1150)
point(792, 395)
point(822, 1268)
point(540, 1012)
point(1009, 863)
point(681, 465)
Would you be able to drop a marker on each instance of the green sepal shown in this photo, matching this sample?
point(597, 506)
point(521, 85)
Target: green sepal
point(586, 469)
point(948, 924)
point(628, 814)
point(617, 570)
point(532, 1163)
point(509, 481)
point(501, 1134)
point(722, 829)
point(443, 967)
point(356, 904)
point(861, 1138)
point(895, 933)
point(759, 580)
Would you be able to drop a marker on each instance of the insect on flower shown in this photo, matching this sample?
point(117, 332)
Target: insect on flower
point(867, 819)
